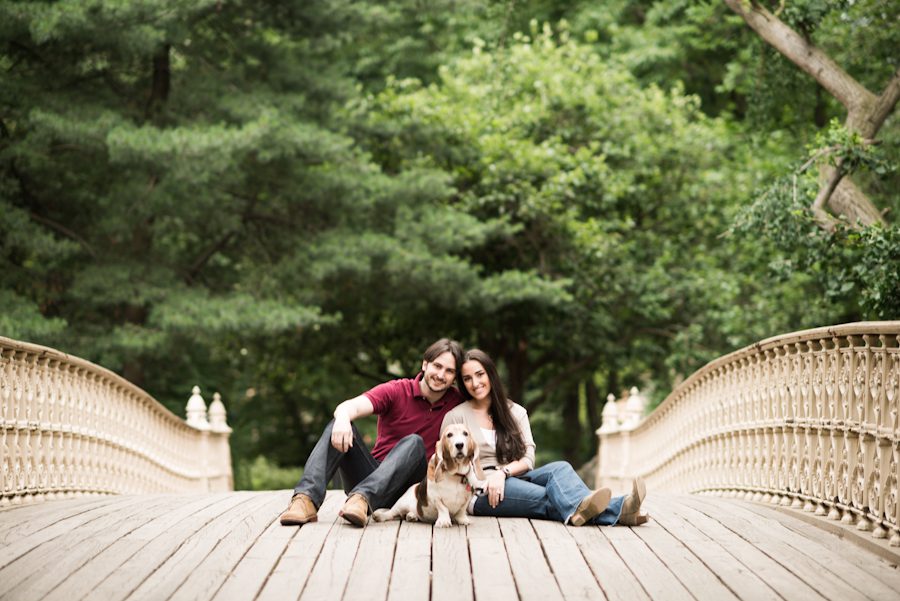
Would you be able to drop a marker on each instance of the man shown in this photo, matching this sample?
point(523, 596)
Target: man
point(409, 412)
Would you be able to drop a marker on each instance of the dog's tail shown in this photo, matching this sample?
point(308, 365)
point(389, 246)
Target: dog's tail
point(422, 494)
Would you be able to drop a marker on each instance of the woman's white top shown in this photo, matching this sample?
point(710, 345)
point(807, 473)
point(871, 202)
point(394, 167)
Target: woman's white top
point(490, 436)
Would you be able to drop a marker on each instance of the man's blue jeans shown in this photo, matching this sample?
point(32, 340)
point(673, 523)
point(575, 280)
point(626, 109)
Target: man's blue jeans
point(381, 483)
point(550, 492)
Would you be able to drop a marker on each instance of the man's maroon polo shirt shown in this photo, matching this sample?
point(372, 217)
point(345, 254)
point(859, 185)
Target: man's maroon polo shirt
point(402, 410)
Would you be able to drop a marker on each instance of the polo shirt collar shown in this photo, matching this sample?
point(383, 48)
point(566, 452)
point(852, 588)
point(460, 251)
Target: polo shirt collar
point(417, 393)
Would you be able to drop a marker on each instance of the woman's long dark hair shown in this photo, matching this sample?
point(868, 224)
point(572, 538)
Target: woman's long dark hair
point(510, 444)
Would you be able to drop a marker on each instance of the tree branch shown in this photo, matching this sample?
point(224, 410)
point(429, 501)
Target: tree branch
point(883, 107)
point(818, 206)
point(200, 261)
point(805, 55)
point(560, 378)
point(63, 230)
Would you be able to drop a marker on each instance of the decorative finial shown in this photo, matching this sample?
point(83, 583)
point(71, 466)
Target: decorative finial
point(196, 410)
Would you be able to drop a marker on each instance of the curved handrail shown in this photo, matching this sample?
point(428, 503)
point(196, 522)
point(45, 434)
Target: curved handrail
point(807, 419)
point(69, 427)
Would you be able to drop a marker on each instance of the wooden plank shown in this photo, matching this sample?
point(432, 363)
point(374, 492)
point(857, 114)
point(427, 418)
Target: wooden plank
point(295, 565)
point(687, 568)
point(331, 571)
point(169, 558)
point(572, 573)
point(875, 566)
point(20, 521)
point(613, 574)
point(483, 527)
point(653, 574)
point(248, 576)
point(491, 575)
point(207, 576)
point(175, 511)
point(734, 574)
point(33, 575)
point(452, 578)
point(124, 579)
point(812, 562)
point(371, 572)
point(780, 579)
point(533, 577)
point(29, 539)
point(411, 572)
point(230, 546)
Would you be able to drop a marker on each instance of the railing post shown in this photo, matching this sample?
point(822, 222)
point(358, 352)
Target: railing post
point(221, 449)
point(196, 418)
point(614, 440)
point(609, 425)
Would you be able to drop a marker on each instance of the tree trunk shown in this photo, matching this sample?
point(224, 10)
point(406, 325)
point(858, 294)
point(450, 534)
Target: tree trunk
point(594, 403)
point(866, 112)
point(160, 81)
point(572, 426)
point(517, 368)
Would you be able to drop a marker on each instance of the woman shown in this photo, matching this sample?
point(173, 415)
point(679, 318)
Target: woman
point(506, 448)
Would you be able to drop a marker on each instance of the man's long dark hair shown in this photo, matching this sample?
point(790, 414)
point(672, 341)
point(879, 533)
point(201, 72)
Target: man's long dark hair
point(445, 345)
point(510, 444)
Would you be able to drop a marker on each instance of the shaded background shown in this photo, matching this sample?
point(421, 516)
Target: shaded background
point(288, 201)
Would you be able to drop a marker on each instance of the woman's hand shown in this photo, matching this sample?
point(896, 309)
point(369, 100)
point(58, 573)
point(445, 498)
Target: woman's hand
point(496, 484)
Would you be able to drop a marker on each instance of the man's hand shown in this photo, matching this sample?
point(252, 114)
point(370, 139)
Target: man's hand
point(346, 412)
point(342, 434)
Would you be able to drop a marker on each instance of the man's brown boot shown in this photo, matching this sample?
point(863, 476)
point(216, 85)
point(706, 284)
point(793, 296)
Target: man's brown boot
point(299, 512)
point(356, 510)
point(591, 506)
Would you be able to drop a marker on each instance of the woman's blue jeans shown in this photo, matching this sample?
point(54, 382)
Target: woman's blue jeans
point(550, 492)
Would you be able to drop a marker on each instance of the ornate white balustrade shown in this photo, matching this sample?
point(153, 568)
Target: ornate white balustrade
point(808, 419)
point(69, 428)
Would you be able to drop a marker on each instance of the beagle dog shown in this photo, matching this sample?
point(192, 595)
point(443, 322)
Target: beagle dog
point(454, 474)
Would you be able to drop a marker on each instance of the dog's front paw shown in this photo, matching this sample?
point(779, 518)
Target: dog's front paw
point(411, 517)
point(464, 521)
point(381, 515)
point(442, 522)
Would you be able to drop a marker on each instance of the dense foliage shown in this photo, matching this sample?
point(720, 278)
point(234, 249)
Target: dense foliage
point(287, 201)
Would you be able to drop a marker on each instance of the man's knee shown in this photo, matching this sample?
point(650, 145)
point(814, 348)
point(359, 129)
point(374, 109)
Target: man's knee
point(413, 443)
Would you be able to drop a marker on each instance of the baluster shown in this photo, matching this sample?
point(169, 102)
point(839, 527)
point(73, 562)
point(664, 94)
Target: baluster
point(40, 428)
point(19, 417)
point(860, 379)
point(848, 473)
point(864, 467)
point(835, 473)
point(53, 432)
point(808, 462)
point(878, 485)
point(892, 496)
point(844, 381)
point(785, 469)
point(7, 421)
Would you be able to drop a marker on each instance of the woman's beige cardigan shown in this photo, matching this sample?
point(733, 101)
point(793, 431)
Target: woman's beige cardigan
point(463, 414)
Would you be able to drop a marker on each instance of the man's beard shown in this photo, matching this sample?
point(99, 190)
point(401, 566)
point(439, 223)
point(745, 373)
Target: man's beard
point(427, 381)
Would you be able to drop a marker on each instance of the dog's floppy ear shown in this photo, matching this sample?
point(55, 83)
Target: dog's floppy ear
point(439, 459)
point(431, 467)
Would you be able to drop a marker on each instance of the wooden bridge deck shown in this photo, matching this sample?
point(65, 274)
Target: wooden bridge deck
point(230, 546)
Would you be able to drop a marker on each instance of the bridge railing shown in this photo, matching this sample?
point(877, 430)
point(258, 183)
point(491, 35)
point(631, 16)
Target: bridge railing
point(70, 428)
point(808, 419)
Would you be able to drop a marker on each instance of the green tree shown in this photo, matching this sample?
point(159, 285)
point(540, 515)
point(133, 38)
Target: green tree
point(611, 190)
